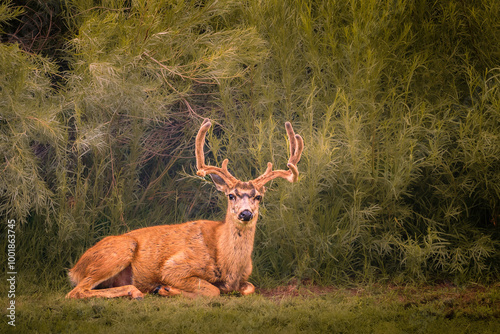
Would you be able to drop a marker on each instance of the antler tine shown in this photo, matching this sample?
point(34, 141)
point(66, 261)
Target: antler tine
point(296, 145)
point(200, 157)
point(292, 174)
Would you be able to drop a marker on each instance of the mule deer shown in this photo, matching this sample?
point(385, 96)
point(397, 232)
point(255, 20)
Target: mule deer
point(195, 258)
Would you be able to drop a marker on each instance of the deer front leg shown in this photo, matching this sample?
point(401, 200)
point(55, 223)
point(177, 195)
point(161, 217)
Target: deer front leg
point(238, 283)
point(190, 287)
point(193, 287)
point(246, 288)
point(184, 278)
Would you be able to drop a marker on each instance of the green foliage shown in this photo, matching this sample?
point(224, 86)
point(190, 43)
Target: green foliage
point(398, 103)
point(7, 12)
point(29, 123)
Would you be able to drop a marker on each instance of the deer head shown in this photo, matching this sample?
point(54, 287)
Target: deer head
point(244, 197)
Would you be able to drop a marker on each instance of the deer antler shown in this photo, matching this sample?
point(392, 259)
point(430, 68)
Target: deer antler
point(200, 158)
point(292, 174)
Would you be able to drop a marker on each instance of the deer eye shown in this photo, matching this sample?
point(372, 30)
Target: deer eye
point(258, 198)
point(231, 197)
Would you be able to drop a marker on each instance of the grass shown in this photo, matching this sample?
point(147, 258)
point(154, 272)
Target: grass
point(291, 309)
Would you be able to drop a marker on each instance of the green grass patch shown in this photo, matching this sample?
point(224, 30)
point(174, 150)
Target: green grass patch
point(291, 309)
point(398, 103)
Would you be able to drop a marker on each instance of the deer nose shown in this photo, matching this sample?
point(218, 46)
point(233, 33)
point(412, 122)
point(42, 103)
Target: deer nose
point(245, 215)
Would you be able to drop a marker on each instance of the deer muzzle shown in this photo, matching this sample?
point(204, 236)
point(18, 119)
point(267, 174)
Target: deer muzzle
point(245, 215)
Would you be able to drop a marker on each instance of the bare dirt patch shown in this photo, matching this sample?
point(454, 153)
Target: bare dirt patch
point(452, 299)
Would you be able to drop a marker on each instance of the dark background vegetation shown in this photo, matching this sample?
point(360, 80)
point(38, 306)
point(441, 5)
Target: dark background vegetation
point(398, 103)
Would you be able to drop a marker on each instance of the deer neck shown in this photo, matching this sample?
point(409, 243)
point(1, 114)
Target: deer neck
point(234, 248)
point(236, 235)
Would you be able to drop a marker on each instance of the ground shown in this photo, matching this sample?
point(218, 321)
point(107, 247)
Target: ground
point(466, 300)
point(293, 308)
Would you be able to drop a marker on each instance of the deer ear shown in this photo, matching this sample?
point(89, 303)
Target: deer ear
point(220, 184)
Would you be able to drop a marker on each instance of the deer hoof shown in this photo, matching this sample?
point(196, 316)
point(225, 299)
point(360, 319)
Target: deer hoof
point(246, 288)
point(137, 295)
point(166, 291)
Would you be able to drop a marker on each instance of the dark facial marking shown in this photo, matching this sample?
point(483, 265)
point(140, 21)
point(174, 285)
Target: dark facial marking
point(250, 194)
